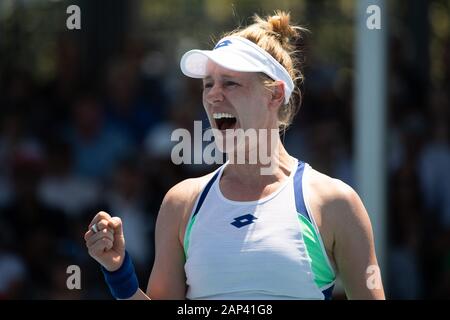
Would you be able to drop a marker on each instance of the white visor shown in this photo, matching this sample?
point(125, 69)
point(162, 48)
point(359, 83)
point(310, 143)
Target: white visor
point(237, 54)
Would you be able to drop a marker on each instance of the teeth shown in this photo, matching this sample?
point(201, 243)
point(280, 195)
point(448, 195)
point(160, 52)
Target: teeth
point(221, 115)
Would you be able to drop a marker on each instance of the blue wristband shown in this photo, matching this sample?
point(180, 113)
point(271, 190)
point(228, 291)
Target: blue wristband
point(123, 282)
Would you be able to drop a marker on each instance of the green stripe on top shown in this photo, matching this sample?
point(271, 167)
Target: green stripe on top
point(187, 236)
point(323, 275)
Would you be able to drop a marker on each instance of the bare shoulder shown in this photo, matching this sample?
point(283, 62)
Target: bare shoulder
point(331, 191)
point(179, 201)
point(336, 205)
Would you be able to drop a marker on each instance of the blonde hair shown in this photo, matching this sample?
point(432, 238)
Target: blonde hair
point(277, 36)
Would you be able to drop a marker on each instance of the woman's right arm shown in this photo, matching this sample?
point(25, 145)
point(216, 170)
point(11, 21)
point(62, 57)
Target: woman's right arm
point(167, 279)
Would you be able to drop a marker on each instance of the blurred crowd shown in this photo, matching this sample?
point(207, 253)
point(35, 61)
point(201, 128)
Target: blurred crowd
point(73, 146)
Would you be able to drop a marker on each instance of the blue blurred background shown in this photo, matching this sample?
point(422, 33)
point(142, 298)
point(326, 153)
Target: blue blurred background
point(86, 117)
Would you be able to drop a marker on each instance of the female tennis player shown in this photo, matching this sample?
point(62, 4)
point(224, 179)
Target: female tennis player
point(237, 233)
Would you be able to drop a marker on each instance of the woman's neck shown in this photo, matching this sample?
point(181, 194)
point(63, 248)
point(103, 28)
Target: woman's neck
point(259, 174)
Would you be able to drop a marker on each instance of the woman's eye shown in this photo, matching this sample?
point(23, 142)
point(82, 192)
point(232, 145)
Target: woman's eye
point(231, 83)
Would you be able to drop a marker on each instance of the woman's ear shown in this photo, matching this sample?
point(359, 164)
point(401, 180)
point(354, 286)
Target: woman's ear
point(277, 95)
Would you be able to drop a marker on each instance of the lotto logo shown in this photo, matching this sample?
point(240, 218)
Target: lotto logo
point(244, 220)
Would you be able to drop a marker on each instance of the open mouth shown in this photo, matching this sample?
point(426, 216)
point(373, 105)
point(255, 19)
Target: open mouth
point(224, 121)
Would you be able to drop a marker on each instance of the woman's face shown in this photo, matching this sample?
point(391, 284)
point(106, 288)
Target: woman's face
point(237, 100)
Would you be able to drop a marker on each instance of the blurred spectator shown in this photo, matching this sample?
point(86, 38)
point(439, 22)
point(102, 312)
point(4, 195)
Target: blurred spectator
point(434, 162)
point(405, 216)
point(14, 140)
point(14, 274)
point(434, 172)
point(96, 145)
point(61, 188)
point(51, 111)
point(322, 145)
point(128, 109)
point(37, 228)
point(18, 90)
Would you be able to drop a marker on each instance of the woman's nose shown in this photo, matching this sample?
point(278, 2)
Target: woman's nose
point(214, 94)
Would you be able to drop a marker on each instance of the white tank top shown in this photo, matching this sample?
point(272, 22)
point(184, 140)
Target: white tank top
point(265, 249)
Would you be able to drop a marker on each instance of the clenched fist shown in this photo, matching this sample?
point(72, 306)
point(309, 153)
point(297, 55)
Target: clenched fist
point(105, 241)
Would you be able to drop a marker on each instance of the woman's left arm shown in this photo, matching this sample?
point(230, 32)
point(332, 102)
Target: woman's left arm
point(354, 249)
